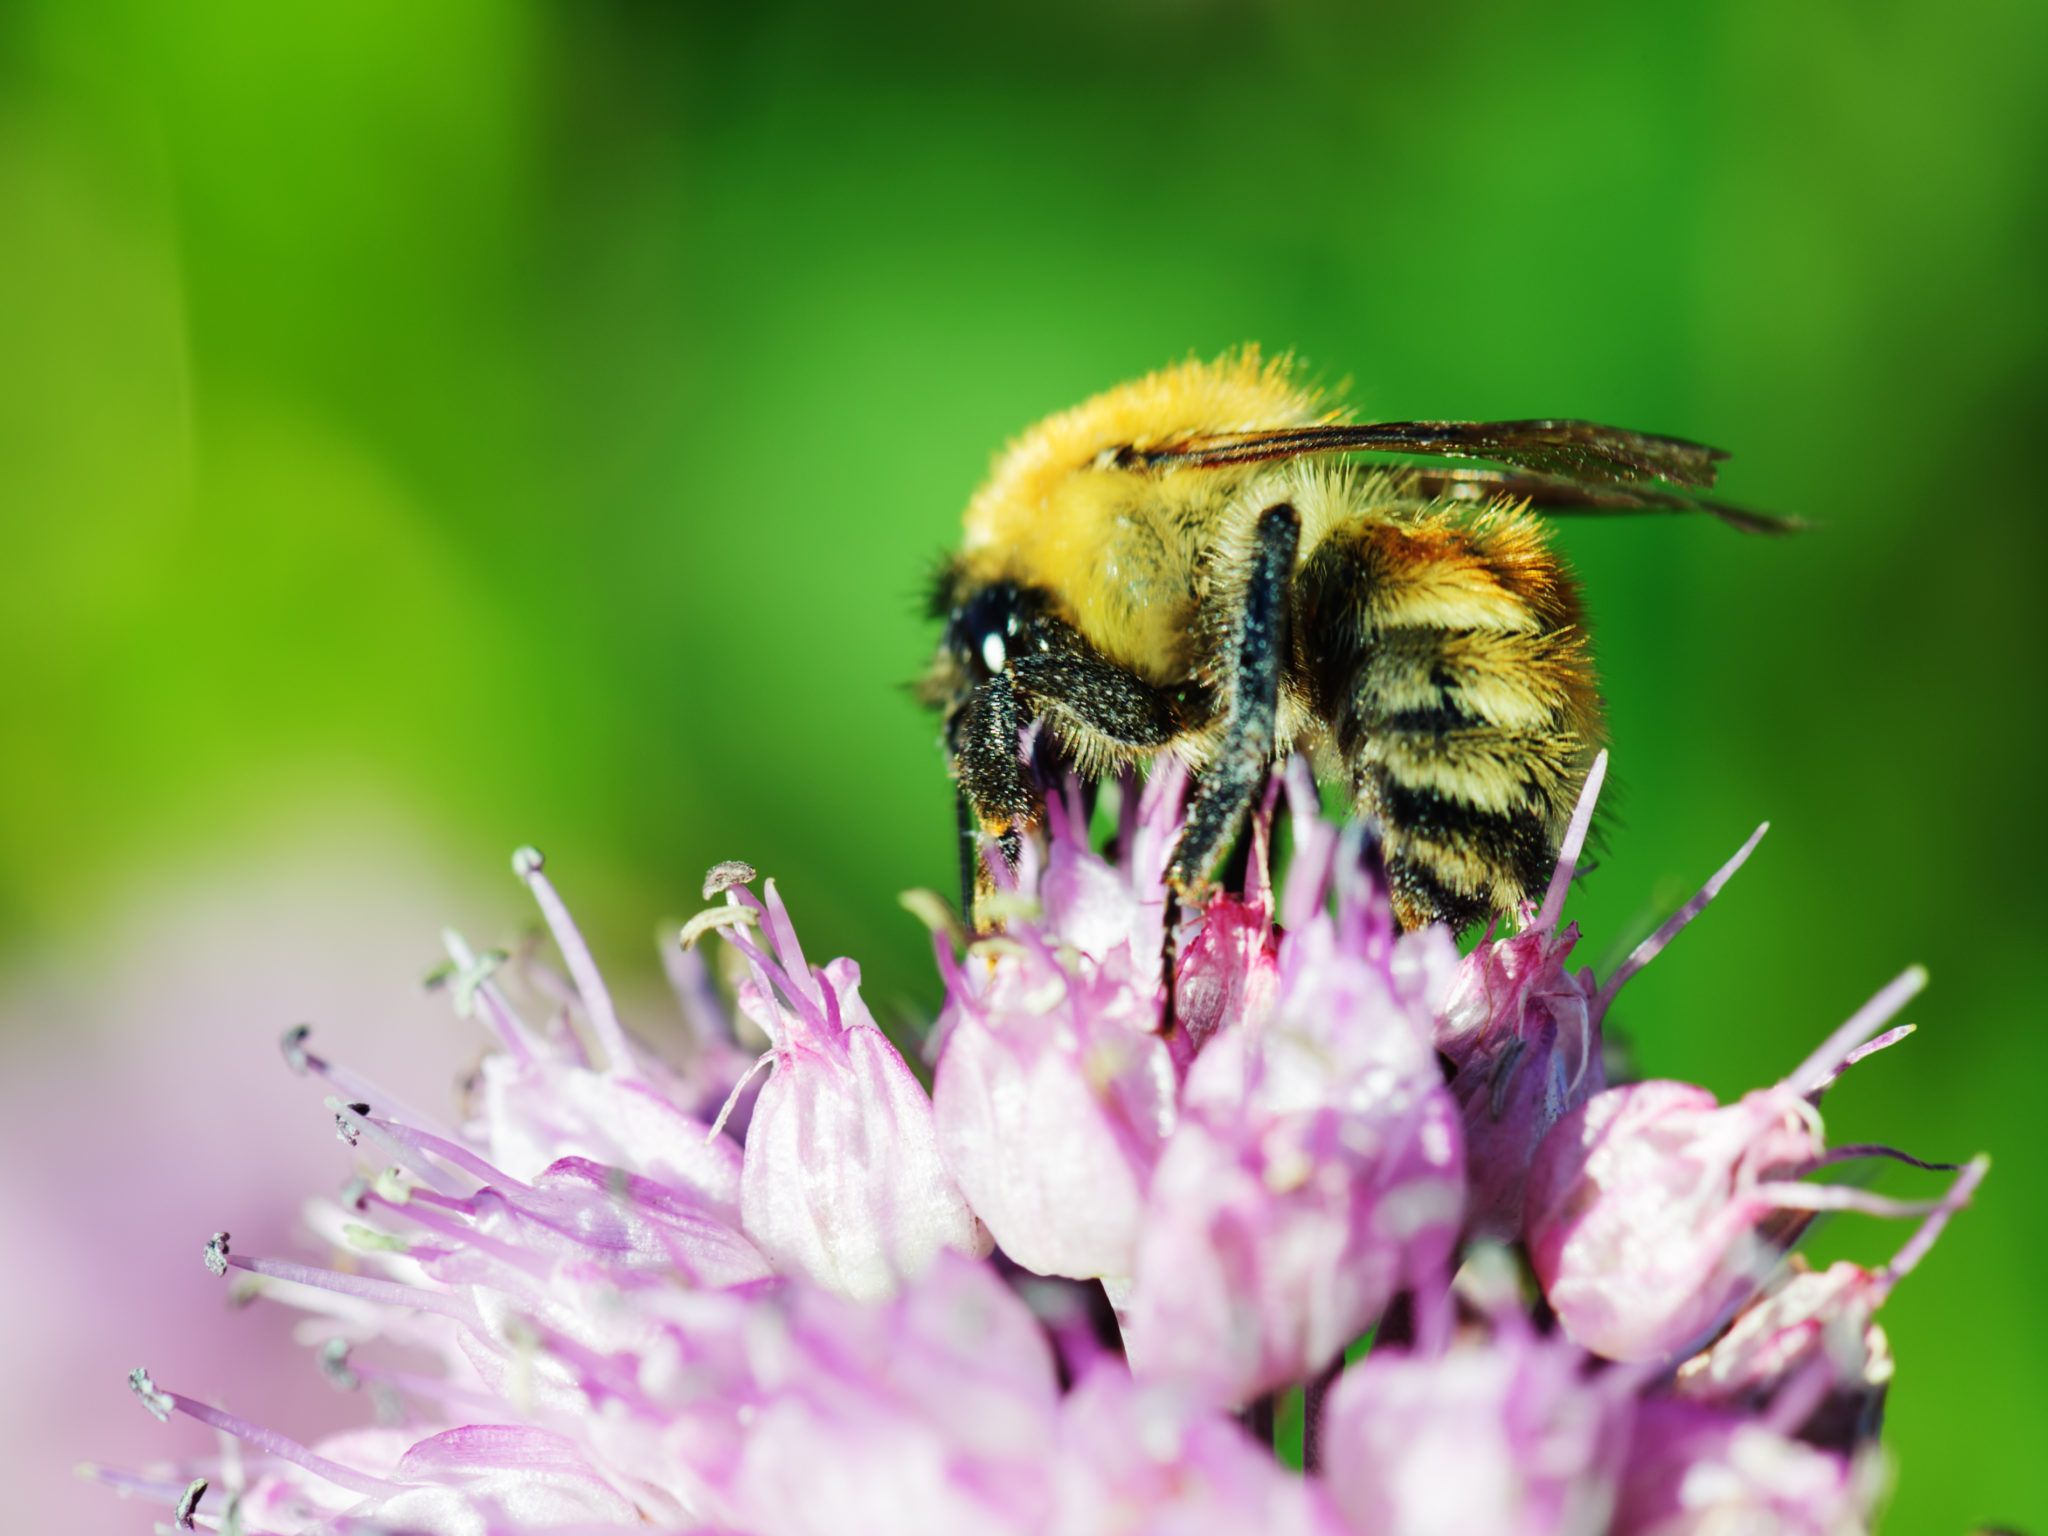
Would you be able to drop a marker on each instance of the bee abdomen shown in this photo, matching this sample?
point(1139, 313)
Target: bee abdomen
point(1467, 739)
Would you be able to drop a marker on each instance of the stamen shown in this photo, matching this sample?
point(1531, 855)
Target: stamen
point(163, 1404)
point(704, 1013)
point(469, 1237)
point(732, 1099)
point(936, 913)
point(1885, 1041)
point(1855, 1150)
point(773, 980)
point(1653, 946)
point(345, 1116)
point(217, 1255)
point(597, 1001)
point(1258, 870)
point(349, 1084)
point(1127, 792)
point(188, 1505)
point(1914, 1249)
point(474, 988)
point(452, 1153)
point(1825, 1062)
point(1568, 852)
point(1787, 1196)
point(128, 1485)
point(1011, 906)
point(1315, 849)
point(390, 1293)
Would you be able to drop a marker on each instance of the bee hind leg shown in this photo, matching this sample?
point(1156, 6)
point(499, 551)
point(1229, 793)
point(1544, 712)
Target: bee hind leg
point(1255, 657)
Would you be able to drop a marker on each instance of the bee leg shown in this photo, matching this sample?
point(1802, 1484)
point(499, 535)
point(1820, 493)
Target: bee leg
point(996, 796)
point(1085, 694)
point(1255, 657)
point(969, 835)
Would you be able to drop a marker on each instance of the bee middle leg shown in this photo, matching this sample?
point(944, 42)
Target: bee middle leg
point(1255, 657)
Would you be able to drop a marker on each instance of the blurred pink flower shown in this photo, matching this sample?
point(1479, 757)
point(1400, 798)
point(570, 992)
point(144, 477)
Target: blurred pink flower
point(143, 1065)
point(1698, 1471)
point(1510, 1434)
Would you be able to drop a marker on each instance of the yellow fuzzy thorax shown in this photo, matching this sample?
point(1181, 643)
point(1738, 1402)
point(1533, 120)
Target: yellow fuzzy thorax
point(1120, 547)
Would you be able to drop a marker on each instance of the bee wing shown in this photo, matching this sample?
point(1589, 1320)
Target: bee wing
point(1574, 450)
point(1560, 466)
point(1551, 494)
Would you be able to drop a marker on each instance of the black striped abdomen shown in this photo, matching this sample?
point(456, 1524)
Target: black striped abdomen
point(1464, 705)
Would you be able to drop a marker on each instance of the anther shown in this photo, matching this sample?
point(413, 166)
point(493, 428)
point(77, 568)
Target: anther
point(345, 1126)
point(217, 1255)
point(158, 1403)
point(715, 917)
point(188, 1505)
point(335, 1367)
point(723, 877)
point(469, 980)
point(293, 1044)
point(527, 861)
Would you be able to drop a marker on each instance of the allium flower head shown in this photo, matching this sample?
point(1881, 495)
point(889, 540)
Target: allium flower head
point(614, 1294)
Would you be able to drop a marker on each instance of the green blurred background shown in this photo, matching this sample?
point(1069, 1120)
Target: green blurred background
point(534, 421)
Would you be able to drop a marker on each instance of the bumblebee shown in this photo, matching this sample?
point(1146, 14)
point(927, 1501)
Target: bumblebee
point(1195, 563)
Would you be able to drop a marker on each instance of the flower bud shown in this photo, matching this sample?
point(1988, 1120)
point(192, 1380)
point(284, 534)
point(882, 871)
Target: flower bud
point(1654, 1213)
point(1053, 1096)
point(842, 1179)
point(1509, 1436)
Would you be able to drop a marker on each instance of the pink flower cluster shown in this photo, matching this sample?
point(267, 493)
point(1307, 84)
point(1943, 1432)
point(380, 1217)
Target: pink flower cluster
point(1062, 1291)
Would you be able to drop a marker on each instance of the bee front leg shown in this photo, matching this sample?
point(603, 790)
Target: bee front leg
point(1254, 658)
point(996, 797)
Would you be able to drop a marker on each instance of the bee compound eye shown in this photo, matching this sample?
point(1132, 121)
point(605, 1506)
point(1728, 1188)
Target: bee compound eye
point(985, 626)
